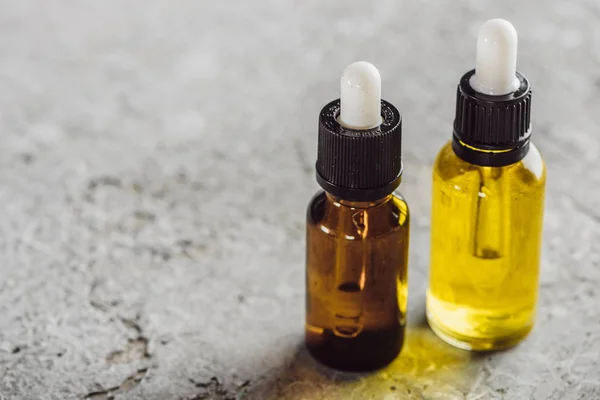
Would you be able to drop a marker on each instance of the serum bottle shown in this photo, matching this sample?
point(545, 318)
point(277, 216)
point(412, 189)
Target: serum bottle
point(487, 210)
point(357, 230)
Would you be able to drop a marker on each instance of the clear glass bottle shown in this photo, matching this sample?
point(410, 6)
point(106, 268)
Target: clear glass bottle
point(487, 205)
point(486, 237)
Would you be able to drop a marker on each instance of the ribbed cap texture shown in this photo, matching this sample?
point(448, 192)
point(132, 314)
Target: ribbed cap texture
point(501, 122)
point(359, 159)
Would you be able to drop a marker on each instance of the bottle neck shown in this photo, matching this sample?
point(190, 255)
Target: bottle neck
point(357, 204)
point(489, 157)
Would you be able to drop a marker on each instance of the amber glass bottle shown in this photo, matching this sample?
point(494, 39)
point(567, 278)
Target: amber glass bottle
point(357, 245)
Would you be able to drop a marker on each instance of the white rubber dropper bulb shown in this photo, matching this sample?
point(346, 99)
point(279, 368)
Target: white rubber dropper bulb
point(360, 97)
point(496, 62)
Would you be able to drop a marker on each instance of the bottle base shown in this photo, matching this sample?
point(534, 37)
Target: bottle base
point(369, 351)
point(479, 331)
point(477, 344)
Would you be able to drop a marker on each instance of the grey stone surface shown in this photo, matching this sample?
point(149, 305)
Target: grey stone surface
point(156, 160)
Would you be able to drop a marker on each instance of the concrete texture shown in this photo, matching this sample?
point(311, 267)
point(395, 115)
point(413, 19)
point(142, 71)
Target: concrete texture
point(156, 161)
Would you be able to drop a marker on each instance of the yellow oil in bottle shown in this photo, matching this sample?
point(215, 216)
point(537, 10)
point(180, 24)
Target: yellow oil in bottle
point(485, 250)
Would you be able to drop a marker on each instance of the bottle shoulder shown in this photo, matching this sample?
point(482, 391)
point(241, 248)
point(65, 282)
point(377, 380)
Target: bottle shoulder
point(399, 206)
point(315, 211)
point(335, 219)
point(533, 164)
point(530, 172)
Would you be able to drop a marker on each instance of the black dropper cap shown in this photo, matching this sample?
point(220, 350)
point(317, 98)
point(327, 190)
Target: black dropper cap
point(493, 102)
point(492, 130)
point(359, 165)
